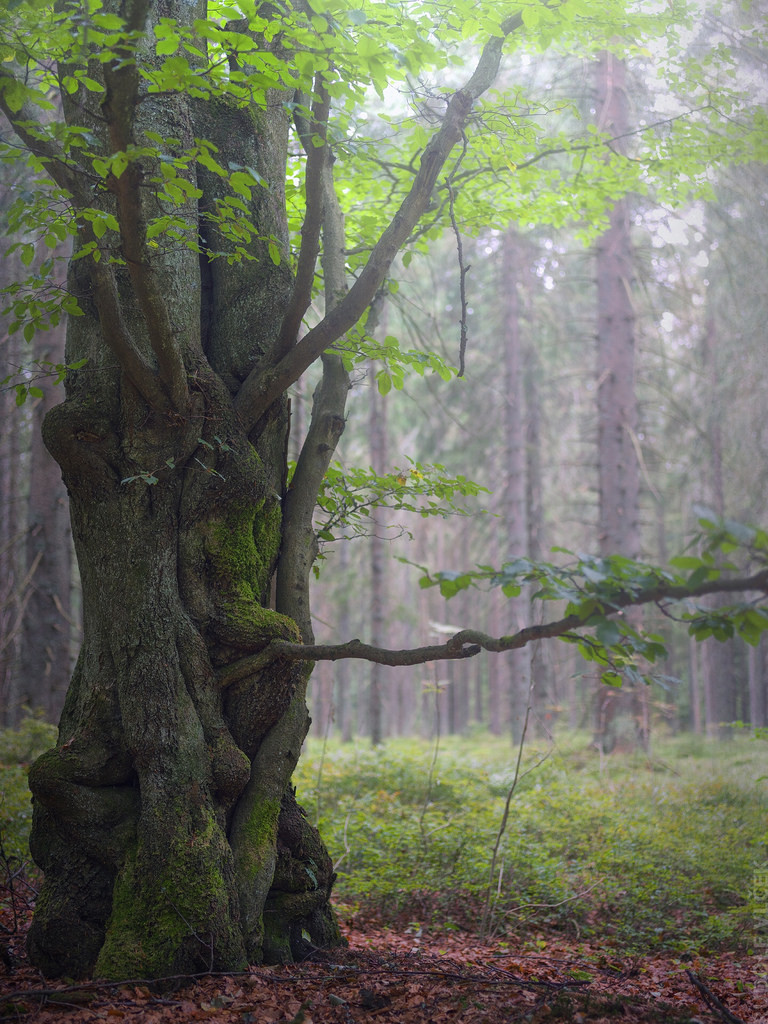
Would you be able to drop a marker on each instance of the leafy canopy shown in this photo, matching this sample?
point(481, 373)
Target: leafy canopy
point(389, 68)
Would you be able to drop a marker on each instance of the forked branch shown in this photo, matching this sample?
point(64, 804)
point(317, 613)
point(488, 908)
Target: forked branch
point(119, 108)
point(162, 388)
point(260, 389)
point(316, 147)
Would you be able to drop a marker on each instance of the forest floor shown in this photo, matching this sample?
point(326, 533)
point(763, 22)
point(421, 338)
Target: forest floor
point(389, 976)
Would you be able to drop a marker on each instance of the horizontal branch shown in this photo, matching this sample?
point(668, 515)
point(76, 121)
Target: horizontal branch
point(469, 642)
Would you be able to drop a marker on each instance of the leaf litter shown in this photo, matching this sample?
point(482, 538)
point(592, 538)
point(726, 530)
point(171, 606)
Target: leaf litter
point(390, 976)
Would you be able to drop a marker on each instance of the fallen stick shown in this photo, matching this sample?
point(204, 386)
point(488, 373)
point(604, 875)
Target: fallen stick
point(714, 1003)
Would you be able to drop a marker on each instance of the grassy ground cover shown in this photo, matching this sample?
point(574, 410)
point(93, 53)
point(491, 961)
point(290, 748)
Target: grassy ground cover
point(649, 853)
point(646, 853)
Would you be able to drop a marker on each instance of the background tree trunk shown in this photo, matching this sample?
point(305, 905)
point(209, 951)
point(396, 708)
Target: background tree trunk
point(515, 493)
point(717, 658)
point(45, 665)
point(377, 438)
point(11, 565)
point(618, 472)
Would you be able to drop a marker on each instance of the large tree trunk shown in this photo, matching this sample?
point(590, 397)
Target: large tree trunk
point(169, 841)
point(164, 820)
point(618, 472)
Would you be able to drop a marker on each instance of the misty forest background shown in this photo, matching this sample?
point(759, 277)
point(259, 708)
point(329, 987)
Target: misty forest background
point(614, 391)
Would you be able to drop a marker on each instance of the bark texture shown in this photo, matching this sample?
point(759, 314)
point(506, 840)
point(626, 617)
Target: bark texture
point(164, 821)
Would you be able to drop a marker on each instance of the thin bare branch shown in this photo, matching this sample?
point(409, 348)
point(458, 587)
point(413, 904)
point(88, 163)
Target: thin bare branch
point(325, 429)
point(463, 268)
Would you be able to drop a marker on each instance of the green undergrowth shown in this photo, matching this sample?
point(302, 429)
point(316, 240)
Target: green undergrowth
point(648, 853)
point(18, 749)
point(644, 853)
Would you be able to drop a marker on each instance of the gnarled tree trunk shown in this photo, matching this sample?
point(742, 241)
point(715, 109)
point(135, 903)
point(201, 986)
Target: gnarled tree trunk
point(164, 820)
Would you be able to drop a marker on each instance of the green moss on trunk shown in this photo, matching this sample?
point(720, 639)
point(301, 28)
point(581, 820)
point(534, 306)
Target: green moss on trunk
point(166, 916)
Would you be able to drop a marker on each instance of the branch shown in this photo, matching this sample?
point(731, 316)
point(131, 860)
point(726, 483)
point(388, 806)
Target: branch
point(119, 107)
point(122, 86)
point(469, 642)
point(325, 428)
point(117, 336)
point(317, 157)
point(260, 389)
point(31, 129)
point(713, 1002)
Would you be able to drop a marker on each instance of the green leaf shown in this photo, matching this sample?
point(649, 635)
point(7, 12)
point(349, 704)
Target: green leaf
point(611, 678)
point(685, 562)
point(91, 84)
point(166, 47)
point(608, 632)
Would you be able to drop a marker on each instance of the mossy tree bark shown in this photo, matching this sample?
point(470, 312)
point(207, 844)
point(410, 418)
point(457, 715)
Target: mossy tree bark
point(164, 820)
point(170, 842)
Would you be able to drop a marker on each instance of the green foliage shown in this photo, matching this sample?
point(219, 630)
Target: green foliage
point(348, 496)
point(527, 159)
point(646, 853)
point(594, 592)
point(25, 381)
point(31, 739)
point(18, 749)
